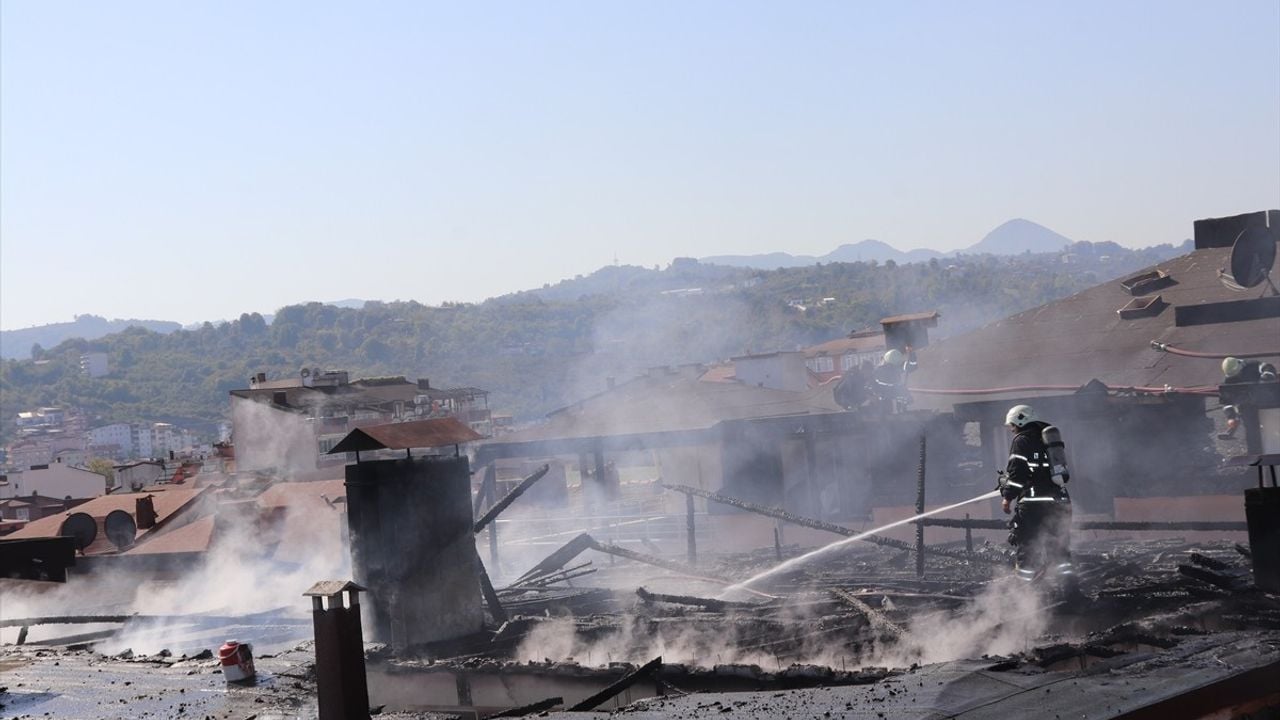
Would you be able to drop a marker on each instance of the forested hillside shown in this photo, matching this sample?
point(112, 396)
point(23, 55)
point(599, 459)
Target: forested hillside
point(538, 350)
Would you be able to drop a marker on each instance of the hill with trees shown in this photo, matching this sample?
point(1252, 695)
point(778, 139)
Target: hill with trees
point(19, 343)
point(538, 350)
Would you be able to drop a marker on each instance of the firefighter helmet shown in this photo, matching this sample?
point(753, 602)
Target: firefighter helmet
point(1020, 415)
point(1231, 366)
point(893, 357)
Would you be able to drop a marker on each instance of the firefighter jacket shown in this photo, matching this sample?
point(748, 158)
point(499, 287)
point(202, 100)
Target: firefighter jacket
point(1028, 477)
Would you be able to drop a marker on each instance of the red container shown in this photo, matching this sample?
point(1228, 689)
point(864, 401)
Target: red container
point(237, 662)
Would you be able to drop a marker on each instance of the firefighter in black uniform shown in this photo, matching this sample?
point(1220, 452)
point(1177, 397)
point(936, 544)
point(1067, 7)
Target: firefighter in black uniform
point(889, 380)
point(1040, 530)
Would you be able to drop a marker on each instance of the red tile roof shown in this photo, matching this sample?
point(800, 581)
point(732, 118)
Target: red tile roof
point(1079, 338)
point(168, 502)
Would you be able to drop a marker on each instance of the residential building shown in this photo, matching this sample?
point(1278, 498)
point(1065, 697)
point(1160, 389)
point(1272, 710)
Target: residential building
point(289, 424)
point(94, 364)
point(117, 434)
point(776, 370)
point(834, 358)
point(42, 418)
point(33, 507)
point(140, 436)
point(54, 480)
point(132, 477)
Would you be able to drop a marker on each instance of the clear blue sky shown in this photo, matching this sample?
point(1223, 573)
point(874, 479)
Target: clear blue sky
point(195, 160)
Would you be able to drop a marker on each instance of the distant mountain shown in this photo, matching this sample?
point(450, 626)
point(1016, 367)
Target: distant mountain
point(1018, 236)
point(1011, 238)
point(352, 303)
point(869, 250)
point(864, 251)
point(18, 343)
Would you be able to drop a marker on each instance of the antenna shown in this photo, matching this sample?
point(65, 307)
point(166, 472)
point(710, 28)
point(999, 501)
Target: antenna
point(1252, 257)
point(121, 529)
point(81, 527)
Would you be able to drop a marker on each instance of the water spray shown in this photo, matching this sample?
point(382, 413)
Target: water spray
point(838, 545)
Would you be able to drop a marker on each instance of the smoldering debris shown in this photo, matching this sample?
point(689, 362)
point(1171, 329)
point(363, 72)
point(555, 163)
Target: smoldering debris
point(862, 618)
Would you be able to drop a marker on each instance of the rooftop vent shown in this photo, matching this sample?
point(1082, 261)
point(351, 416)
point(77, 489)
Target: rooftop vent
point(1149, 306)
point(1147, 283)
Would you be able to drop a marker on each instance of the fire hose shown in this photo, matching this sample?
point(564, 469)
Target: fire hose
point(1172, 350)
point(1165, 390)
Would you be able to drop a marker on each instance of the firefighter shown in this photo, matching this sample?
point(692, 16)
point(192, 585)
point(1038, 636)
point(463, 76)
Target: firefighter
point(1235, 370)
point(890, 379)
point(1040, 530)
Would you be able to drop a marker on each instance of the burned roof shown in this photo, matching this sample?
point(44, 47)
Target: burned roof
point(660, 402)
point(436, 432)
point(1083, 337)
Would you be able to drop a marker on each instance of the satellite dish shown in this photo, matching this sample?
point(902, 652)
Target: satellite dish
point(121, 529)
point(81, 527)
point(1252, 256)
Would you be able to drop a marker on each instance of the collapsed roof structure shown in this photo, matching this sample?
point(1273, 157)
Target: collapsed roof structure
point(686, 611)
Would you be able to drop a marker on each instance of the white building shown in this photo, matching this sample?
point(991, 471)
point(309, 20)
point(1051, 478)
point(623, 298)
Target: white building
point(166, 439)
point(118, 434)
point(94, 364)
point(55, 480)
point(140, 436)
point(135, 476)
point(776, 370)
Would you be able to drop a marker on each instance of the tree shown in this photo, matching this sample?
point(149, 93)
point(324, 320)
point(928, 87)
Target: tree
point(105, 468)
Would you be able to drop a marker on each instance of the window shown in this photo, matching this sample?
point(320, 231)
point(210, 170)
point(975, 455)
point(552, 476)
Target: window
point(821, 364)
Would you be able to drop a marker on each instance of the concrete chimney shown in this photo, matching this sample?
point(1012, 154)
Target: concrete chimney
point(410, 521)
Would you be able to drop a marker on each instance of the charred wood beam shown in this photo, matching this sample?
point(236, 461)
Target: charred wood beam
point(1212, 563)
point(623, 683)
point(705, 603)
point(1224, 581)
point(530, 709)
point(491, 601)
point(671, 565)
point(566, 574)
point(876, 619)
point(509, 498)
point(557, 559)
point(823, 525)
point(485, 490)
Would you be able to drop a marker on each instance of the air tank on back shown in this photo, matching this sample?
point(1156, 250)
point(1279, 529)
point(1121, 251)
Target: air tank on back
point(1057, 451)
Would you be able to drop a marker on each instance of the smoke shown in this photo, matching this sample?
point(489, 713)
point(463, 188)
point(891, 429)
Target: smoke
point(1006, 617)
point(1009, 616)
point(794, 636)
point(260, 560)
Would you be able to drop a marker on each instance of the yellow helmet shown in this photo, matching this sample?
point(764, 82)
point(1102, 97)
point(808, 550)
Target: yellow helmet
point(893, 357)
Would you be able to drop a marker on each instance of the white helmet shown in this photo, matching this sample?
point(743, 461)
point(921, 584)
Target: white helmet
point(893, 357)
point(1020, 415)
point(1231, 366)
